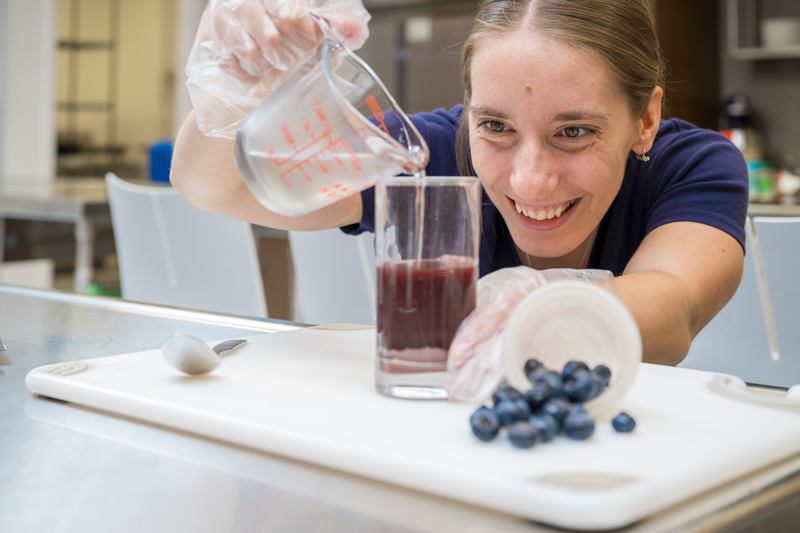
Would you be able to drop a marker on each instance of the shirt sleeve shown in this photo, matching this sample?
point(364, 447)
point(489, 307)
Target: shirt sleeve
point(698, 175)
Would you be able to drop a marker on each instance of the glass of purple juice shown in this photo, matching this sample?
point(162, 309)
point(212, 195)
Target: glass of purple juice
point(427, 233)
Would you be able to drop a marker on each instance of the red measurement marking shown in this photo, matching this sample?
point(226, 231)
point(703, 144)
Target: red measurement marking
point(377, 112)
point(316, 105)
point(339, 191)
point(331, 148)
point(287, 134)
point(307, 127)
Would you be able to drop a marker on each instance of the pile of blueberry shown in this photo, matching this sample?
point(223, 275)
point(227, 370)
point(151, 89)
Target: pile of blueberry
point(552, 405)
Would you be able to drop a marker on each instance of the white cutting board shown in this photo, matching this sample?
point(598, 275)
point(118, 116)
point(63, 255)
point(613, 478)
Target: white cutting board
point(309, 394)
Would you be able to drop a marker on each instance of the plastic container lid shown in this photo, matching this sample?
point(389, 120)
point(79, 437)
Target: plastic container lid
point(574, 320)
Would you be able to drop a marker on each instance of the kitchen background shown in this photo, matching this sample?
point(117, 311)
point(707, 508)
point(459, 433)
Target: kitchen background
point(88, 86)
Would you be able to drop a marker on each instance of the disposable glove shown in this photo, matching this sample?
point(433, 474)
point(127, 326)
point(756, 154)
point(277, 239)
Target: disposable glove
point(244, 49)
point(475, 359)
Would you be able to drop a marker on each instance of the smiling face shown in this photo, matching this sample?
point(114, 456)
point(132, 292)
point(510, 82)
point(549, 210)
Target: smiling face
point(549, 132)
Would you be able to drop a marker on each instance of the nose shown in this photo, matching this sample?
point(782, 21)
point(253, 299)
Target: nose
point(534, 173)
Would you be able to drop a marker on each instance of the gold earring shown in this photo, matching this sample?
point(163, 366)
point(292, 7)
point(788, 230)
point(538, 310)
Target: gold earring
point(643, 156)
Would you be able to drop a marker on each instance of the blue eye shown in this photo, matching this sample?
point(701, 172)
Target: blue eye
point(494, 126)
point(575, 132)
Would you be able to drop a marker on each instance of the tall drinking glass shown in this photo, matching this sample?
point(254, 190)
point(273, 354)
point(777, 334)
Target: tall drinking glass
point(426, 236)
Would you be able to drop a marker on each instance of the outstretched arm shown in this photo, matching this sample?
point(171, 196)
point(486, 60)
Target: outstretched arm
point(681, 276)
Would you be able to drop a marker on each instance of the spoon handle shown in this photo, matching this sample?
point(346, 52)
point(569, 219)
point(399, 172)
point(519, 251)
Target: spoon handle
point(228, 346)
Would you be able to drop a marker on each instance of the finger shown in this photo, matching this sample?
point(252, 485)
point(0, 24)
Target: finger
point(295, 23)
point(350, 30)
point(273, 50)
point(236, 42)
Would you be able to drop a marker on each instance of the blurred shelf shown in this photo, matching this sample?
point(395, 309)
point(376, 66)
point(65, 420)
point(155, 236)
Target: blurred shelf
point(66, 44)
point(773, 210)
point(743, 19)
point(757, 52)
point(100, 107)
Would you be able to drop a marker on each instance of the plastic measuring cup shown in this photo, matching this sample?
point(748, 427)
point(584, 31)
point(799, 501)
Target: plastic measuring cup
point(329, 131)
point(575, 320)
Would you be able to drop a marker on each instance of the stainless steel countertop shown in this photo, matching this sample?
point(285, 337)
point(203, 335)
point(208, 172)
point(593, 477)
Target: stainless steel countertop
point(68, 468)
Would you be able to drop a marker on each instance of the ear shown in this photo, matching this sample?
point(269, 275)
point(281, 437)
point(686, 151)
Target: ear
point(647, 126)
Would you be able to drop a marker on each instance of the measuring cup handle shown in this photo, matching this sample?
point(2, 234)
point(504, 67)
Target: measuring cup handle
point(327, 31)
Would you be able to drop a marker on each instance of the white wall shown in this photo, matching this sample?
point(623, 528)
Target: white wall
point(27, 133)
point(153, 44)
point(3, 46)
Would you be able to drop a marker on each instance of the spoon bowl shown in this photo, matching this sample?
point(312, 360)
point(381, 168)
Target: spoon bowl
point(192, 356)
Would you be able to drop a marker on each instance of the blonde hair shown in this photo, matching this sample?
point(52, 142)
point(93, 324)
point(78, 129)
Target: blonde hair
point(621, 33)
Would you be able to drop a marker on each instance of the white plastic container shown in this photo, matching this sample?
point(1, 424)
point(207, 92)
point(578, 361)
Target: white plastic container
point(575, 320)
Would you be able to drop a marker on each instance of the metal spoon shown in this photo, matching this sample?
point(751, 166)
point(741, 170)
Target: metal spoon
point(793, 393)
point(192, 356)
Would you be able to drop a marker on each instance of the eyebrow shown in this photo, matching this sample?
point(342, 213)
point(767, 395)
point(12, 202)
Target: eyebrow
point(487, 111)
point(571, 116)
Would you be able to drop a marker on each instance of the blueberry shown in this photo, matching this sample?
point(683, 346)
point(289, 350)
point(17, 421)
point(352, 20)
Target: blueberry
point(557, 408)
point(531, 365)
point(571, 367)
point(484, 423)
point(546, 425)
point(578, 387)
point(604, 372)
point(509, 411)
point(505, 392)
point(578, 424)
point(553, 380)
point(623, 423)
point(598, 385)
point(523, 434)
point(534, 375)
point(537, 395)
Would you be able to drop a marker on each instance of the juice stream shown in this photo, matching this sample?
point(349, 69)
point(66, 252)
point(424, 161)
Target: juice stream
point(419, 213)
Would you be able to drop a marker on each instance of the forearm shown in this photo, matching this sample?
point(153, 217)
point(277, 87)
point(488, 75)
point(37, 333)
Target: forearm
point(681, 276)
point(204, 169)
point(663, 311)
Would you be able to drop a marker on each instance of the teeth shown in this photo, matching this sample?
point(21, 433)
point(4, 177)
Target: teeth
point(544, 215)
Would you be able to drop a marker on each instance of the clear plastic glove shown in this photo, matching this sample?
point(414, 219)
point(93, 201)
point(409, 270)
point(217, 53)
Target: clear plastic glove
point(244, 49)
point(475, 359)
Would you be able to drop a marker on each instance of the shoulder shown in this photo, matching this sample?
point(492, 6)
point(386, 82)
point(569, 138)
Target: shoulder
point(680, 145)
point(439, 118)
point(695, 175)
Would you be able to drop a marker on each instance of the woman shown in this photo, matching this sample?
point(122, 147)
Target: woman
point(561, 122)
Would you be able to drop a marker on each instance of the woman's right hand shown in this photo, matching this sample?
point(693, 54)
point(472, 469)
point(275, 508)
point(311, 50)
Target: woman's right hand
point(244, 49)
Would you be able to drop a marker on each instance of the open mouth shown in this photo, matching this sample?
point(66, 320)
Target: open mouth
point(545, 213)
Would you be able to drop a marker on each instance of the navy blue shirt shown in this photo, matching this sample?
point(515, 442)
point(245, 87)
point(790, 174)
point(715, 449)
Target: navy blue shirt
point(694, 175)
